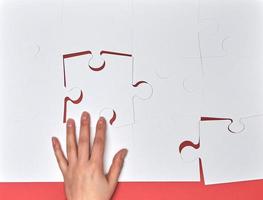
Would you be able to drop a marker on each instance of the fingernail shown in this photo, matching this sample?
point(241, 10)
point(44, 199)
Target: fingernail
point(84, 116)
point(70, 123)
point(101, 121)
point(54, 141)
point(124, 153)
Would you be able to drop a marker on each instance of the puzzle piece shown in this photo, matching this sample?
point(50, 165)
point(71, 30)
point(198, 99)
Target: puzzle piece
point(176, 24)
point(161, 161)
point(238, 28)
point(229, 157)
point(111, 87)
point(172, 90)
point(240, 80)
point(98, 25)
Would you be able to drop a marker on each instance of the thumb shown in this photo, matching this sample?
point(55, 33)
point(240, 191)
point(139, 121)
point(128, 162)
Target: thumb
point(116, 167)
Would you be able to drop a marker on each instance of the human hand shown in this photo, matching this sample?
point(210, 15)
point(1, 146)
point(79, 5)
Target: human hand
point(83, 169)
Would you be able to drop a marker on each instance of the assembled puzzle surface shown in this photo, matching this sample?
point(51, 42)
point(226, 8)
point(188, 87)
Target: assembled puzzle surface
point(177, 81)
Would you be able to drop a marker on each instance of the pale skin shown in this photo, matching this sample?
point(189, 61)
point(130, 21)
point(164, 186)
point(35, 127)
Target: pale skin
point(83, 168)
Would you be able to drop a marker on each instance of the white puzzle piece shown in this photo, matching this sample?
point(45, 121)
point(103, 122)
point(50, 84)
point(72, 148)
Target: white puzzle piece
point(180, 93)
point(156, 149)
point(230, 157)
point(111, 88)
point(232, 88)
point(236, 25)
point(97, 25)
point(171, 28)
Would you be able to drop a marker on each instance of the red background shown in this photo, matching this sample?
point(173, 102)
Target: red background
point(250, 190)
point(141, 191)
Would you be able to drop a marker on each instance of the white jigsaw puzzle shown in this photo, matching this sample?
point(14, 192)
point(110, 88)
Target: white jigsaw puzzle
point(152, 68)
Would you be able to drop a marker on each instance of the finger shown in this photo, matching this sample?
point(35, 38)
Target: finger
point(99, 143)
point(116, 167)
point(71, 142)
point(84, 137)
point(61, 159)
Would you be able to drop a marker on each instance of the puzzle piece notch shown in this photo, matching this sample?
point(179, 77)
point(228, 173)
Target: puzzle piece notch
point(236, 126)
point(96, 62)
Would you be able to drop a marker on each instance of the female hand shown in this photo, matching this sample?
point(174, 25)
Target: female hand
point(83, 172)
